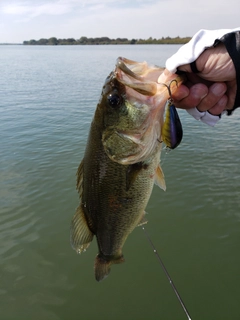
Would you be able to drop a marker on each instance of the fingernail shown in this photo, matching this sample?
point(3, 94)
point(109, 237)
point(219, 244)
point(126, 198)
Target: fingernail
point(218, 89)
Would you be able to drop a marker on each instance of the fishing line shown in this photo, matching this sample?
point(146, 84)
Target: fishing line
point(167, 274)
point(165, 151)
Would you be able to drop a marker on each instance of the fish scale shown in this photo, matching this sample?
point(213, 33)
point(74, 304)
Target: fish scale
point(121, 161)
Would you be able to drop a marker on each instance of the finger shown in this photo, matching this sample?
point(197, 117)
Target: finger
point(181, 93)
point(185, 67)
point(215, 93)
point(220, 106)
point(189, 99)
point(196, 78)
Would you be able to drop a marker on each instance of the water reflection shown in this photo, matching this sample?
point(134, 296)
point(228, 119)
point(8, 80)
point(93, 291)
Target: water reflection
point(45, 117)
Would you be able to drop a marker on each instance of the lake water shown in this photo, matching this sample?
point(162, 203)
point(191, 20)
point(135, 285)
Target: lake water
point(47, 99)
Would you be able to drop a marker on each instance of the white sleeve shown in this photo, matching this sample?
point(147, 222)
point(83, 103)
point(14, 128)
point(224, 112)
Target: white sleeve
point(204, 116)
point(188, 53)
point(191, 51)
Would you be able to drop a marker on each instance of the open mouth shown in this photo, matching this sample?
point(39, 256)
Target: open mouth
point(144, 78)
point(133, 74)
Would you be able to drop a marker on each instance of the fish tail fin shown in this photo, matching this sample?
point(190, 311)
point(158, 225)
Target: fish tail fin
point(80, 234)
point(103, 266)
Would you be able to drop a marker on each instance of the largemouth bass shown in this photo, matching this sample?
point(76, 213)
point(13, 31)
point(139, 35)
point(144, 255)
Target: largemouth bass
point(121, 161)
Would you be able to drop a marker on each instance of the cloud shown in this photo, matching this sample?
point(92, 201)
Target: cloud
point(57, 8)
point(27, 10)
point(113, 18)
point(60, 7)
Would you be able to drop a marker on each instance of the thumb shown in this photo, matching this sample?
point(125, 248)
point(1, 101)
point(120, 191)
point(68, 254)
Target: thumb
point(185, 68)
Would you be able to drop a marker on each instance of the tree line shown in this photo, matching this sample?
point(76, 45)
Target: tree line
point(106, 40)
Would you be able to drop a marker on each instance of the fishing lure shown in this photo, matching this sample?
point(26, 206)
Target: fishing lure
point(172, 132)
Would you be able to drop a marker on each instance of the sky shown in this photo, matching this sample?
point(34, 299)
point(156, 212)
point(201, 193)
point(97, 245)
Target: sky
point(133, 19)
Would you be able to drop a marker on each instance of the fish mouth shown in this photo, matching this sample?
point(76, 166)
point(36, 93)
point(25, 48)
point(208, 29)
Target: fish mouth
point(134, 75)
point(137, 67)
point(146, 90)
point(144, 78)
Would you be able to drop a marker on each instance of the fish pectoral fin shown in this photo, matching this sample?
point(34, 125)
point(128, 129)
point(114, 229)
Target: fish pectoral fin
point(80, 179)
point(159, 178)
point(80, 235)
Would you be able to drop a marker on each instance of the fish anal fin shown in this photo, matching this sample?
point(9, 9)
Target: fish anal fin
point(143, 220)
point(80, 235)
point(80, 179)
point(159, 178)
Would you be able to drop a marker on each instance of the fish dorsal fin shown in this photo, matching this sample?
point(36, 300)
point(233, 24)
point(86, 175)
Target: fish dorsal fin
point(79, 184)
point(159, 178)
point(132, 173)
point(81, 236)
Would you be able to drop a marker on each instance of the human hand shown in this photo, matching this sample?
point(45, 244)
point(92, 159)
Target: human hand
point(214, 88)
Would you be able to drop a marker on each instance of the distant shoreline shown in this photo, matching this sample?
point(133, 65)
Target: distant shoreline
point(10, 44)
point(105, 41)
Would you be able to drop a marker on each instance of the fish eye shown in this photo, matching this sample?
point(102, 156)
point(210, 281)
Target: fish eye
point(114, 99)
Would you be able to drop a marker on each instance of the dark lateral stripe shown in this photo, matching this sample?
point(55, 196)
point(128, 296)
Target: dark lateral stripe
point(232, 43)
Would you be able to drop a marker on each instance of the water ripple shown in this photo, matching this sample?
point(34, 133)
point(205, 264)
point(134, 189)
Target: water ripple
point(50, 95)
